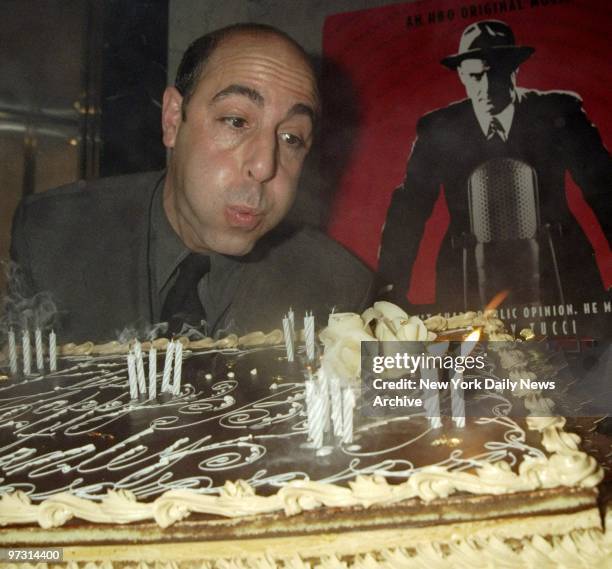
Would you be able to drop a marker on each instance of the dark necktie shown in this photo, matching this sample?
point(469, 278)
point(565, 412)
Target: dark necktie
point(496, 130)
point(182, 303)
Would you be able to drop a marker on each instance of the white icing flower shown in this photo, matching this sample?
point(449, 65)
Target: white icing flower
point(389, 310)
point(576, 469)
point(203, 343)
point(252, 339)
point(413, 329)
point(16, 508)
point(274, 337)
point(238, 489)
point(230, 341)
point(369, 490)
point(342, 356)
point(345, 332)
point(53, 513)
point(568, 469)
point(296, 502)
point(339, 325)
point(384, 331)
point(168, 510)
point(436, 323)
point(499, 478)
point(121, 506)
point(301, 495)
point(431, 483)
point(542, 423)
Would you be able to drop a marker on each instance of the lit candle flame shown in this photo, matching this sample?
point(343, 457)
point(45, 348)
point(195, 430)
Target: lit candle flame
point(470, 342)
point(497, 300)
point(473, 336)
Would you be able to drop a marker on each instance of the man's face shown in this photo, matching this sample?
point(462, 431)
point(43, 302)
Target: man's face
point(488, 85)
point(237, 157)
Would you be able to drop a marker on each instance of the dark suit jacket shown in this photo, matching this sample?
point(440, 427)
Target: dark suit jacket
point(551, 132)
point(88, 245)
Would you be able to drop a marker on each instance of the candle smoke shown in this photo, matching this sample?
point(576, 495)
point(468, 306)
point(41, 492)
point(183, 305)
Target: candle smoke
point(150, 332)
point(21, 311)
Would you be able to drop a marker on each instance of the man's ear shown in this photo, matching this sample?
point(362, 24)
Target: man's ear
point(461, 74)
point(171, 115)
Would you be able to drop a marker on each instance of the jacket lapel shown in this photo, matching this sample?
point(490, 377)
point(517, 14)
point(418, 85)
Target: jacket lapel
point(148, 302)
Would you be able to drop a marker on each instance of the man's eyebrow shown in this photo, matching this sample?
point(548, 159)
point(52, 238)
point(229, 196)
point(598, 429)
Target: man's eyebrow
point(243, 90)
point(257, 98)
point(302, 109)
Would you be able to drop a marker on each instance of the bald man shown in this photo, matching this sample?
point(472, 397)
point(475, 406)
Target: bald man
point(202, 243)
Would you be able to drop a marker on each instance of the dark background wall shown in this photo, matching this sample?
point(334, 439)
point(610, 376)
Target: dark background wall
point(134, 69)
point(80, 93)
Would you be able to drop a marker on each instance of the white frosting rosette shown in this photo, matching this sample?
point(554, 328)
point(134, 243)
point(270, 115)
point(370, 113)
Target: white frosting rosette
point(346, 330)
point(342, 344)
point(392, 324)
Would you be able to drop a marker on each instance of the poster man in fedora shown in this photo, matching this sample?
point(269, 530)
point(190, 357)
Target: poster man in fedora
point(547, 131)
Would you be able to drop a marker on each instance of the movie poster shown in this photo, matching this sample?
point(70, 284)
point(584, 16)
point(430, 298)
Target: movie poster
point(468, 145)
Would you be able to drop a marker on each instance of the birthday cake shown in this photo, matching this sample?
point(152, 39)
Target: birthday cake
point(226, 466)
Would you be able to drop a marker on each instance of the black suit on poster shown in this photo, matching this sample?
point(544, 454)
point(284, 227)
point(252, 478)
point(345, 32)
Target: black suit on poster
point(550, 132)
point(88, 245)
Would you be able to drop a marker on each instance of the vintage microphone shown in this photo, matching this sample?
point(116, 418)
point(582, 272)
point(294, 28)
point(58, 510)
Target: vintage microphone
point(505, 224)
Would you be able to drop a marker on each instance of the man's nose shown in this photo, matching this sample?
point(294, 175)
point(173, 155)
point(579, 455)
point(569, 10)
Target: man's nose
point(485, 83)
point(261, 160)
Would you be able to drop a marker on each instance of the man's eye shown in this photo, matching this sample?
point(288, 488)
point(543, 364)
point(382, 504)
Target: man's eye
point(235, 122)
point(291, 139)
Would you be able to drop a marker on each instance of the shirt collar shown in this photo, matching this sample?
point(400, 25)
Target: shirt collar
point(505, 118)
point(218, 286)
point(168, 250)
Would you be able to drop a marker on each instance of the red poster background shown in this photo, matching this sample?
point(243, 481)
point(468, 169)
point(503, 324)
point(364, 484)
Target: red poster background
point(393, 67)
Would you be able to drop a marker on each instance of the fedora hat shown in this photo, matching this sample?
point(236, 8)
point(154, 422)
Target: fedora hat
point(491, 40)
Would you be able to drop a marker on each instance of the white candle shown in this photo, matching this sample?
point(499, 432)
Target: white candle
point(324, 381)
point(348, 404)
point(178, 368)
point(291, 317)
point(336, 407)
point(457, 394)
point(288, 339)
point(432, 408)
point(52, 351)
point(167, 367)
point(312, 335)
point(12, 352)
point(152, 373)
point(26, 349)
point(318, 419)
point(132, 381)
point(431, 398)
point(458, 402)
point(431, 395)
point(309, 399)
point(40, 362)
point(142, 385)
point(309, 333)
